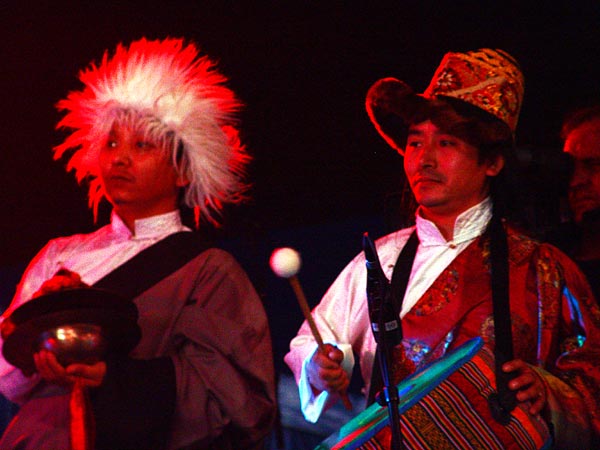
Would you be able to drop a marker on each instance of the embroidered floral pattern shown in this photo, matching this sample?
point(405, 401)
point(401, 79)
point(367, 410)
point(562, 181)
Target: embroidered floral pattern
point(439, 295)
point(486, 78)
point(449, 80)
point(546, 321)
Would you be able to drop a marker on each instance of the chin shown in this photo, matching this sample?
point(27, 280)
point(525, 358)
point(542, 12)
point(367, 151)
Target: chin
point(119, 201)
point(429, 201)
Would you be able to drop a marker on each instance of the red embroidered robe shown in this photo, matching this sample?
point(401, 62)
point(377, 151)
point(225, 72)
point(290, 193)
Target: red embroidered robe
point(555, 325)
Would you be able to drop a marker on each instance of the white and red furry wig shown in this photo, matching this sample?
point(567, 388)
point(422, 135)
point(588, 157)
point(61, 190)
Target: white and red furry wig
point(177, 98)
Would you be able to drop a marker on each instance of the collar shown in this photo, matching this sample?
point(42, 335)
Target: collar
point(468, 225)
point(149, 227)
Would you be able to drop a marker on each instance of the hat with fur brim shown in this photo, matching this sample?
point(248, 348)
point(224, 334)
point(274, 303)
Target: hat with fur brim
point(115, 315)
point(489, 79)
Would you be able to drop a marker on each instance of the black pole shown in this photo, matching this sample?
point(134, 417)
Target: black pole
point(389, 391)
point(387, 330)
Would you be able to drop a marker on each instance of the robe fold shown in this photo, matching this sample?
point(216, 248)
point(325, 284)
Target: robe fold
point(207, 321)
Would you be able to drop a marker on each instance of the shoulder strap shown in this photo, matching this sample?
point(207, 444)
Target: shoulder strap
point(502, 403)
point(153, 264)
point(400, 276)
point(402, 271)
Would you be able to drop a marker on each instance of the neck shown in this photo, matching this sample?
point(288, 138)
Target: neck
point(444, 223)
point(129, 217)
point(444, 216)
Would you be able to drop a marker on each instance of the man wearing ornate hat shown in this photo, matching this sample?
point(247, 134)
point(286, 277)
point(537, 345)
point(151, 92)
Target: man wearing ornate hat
point(457, 140)
point(154, 129)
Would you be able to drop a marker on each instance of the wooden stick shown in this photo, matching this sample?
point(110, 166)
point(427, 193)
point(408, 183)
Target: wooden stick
point(306, 311)
point(313, 327)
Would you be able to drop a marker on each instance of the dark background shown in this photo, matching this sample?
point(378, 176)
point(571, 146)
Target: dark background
point(321, 173)
point(302, 68)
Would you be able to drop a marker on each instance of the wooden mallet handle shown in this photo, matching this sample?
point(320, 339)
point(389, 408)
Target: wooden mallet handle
point(313, 327)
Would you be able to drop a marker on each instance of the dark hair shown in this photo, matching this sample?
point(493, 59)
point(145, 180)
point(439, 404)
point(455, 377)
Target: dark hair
point(578, 117)
point(488, 134)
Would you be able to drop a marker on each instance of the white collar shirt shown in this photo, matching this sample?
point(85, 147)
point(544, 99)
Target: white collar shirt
point(94, 255)
point(435, 253)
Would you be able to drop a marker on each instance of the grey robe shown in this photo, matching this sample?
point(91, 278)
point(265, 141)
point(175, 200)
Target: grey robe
point(207, 318)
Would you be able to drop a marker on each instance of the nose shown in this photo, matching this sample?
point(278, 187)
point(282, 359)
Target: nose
point(580, 174)
point(121, 155)
point(427, 155)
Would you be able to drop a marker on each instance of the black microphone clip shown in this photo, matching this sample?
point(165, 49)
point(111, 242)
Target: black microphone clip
point(379, 296)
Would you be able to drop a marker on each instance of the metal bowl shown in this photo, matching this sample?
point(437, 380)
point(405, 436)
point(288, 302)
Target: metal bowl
point(76, 343)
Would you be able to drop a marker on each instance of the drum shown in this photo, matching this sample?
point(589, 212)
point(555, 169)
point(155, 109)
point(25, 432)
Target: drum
point(445, 406)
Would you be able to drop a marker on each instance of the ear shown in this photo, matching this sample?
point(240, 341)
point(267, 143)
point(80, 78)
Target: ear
point(495, 165)
point(182, 180)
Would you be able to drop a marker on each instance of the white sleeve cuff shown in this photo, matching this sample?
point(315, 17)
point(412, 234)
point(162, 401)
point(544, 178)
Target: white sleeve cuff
point(312, 407)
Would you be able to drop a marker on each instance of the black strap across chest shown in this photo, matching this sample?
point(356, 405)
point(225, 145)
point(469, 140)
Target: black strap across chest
point(153, 264)
point(402, 270)
point(504, 402)
point(400, 276)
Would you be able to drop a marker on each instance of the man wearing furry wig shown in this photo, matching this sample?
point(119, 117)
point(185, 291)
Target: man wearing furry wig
point(153, 126)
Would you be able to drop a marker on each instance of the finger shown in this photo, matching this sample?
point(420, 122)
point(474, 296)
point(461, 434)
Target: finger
point(78, 370)
point(333, 379)
point(94, 372)
point(52, 363)
point(43, 362)
point(522, 382)
point(539, 403)
point(536, 406)
point(332, 353)
point(339, 388)
point(336, 355)
point(338, 385)
point(530, 393)
point(514, 365)
point(336, 380)
point(38, 363)
point(324, 361)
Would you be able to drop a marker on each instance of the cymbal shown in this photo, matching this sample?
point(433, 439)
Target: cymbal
point(115, 315)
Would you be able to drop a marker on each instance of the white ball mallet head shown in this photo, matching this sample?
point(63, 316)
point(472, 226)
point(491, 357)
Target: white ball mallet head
point(285, 262)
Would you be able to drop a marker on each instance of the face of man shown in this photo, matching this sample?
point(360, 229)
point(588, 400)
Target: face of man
point(583, 145)
point(444, 172)
point(137, 174)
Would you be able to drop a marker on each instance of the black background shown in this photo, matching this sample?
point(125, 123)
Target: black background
point(302, 68)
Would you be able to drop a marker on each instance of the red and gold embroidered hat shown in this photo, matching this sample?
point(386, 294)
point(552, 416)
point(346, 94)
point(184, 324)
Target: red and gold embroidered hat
point(486, 78)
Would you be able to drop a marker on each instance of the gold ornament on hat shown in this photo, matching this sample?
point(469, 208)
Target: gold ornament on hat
point(488, 79)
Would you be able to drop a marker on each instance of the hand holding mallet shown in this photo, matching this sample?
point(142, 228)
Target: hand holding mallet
point(285, 263)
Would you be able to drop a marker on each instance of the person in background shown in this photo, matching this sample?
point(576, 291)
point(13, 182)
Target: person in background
point(457, 141)
point(154, 130)
point(581, 136)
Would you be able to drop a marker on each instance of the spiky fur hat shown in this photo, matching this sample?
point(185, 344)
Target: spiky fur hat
point(175, 97)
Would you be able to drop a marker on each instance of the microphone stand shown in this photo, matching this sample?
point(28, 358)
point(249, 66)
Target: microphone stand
point(390, 391)
point(379, 296)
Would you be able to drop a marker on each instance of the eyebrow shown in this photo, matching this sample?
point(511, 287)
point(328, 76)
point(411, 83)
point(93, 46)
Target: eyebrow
point(412, 132)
